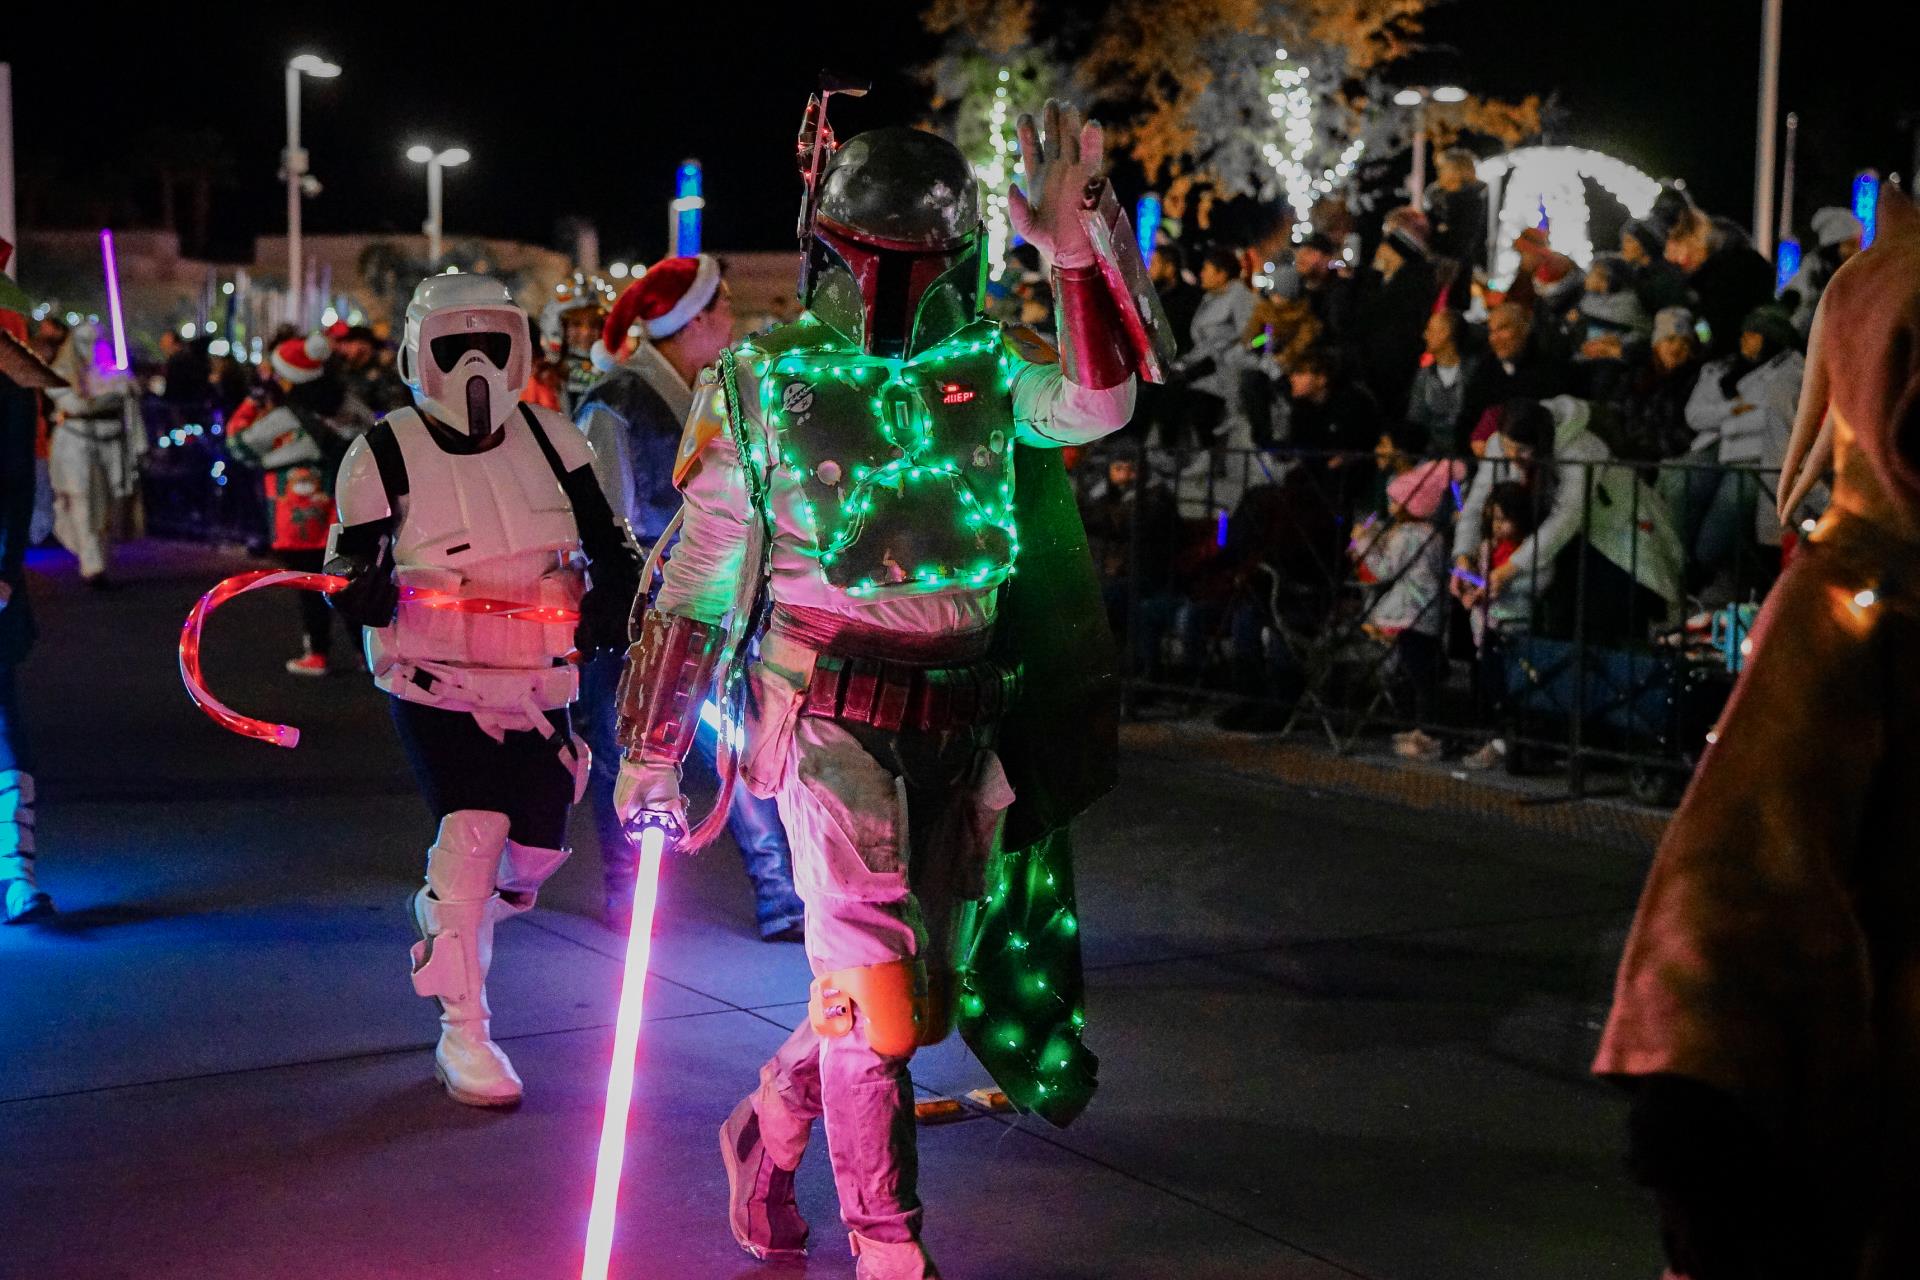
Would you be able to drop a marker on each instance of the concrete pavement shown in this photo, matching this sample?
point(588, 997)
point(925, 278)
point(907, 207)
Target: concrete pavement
point(1339, 1038)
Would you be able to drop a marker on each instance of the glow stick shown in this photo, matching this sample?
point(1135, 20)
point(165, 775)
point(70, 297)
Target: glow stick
point(626, 1047)
point(285, 735)
point(113, 299)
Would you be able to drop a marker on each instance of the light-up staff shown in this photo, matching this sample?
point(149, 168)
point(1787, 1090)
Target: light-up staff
point(285, 735)
point(112, 266)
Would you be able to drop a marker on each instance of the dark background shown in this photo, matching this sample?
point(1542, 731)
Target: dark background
point(566, 117)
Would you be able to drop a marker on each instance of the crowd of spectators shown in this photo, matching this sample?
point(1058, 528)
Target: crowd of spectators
point(1386, 454)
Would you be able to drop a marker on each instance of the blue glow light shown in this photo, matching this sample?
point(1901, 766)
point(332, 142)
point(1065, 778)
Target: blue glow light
point(1788, 266)
point(1220, 529)
point(1146, 222)
point(688, 204)
point(1866, 204)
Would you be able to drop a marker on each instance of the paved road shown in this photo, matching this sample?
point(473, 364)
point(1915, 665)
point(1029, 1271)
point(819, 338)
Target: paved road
point(1339, 1039)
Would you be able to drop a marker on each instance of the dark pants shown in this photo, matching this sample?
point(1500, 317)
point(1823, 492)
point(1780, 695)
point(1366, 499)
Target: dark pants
point(458, 766)
point(1414, 670)
point(316, 615)
point(753, 823)
point(16, 751)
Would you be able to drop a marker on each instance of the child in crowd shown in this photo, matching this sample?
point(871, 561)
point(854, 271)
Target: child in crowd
point(1498, 618)
point(1408, 562)
point(1611, 325)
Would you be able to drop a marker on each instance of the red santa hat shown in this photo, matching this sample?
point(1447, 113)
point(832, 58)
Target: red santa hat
point(301, 360)
point(663, 300)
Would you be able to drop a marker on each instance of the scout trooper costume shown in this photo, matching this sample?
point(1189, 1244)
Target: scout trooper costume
point(466, 507)
point(848, 482)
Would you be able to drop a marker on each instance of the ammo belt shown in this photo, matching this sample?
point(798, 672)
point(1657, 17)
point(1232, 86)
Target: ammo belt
point(896, 696)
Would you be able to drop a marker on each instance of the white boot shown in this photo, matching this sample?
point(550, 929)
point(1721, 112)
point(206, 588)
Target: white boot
point(21, 898)
point(454, 915)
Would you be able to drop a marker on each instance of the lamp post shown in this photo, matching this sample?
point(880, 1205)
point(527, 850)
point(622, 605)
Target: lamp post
point(297, 180)
point(1417, 97)
point(436, 162)
point(1769, 113)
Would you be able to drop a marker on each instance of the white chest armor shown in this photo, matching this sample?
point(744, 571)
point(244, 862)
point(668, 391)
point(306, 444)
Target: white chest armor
point(482, 526)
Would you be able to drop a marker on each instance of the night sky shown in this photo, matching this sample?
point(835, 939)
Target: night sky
point(569, 120)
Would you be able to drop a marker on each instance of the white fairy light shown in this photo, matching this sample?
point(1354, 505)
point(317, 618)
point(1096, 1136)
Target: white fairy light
point(1554, 179)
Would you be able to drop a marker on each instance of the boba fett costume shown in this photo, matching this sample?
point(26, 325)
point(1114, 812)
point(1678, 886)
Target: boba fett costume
point(857, 487)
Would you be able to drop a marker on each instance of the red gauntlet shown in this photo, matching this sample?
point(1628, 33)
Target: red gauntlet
point(1093, 343)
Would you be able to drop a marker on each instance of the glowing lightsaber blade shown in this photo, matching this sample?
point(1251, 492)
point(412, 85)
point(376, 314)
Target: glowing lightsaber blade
point(626, 1047)
point(113, 299)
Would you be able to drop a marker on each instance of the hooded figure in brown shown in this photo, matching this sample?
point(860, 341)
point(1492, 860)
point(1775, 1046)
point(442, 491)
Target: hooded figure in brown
point(1767, 1013)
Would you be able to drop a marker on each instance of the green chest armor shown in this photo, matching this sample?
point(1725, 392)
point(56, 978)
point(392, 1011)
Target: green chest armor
point(906, 466)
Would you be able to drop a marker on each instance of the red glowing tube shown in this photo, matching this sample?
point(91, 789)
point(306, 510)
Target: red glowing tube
point(285, 735)
point(626, 1047)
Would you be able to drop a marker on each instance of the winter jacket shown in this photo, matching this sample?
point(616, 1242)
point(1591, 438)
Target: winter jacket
point(1459, 222)
point(1408, 561)
point(1752, 425)
point(1626, 520)
point(1219, 348)
point(633, 419)
point(1392, 317)
point(1730, 283)
point(1536, 375)
point(1434, 407)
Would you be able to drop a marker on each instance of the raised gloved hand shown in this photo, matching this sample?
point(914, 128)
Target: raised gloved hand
point(651, 790)
point(1059, 164)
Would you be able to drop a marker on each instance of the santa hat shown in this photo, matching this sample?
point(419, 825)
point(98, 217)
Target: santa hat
point(301, 360)
point(1533, 238)
point(664, 300)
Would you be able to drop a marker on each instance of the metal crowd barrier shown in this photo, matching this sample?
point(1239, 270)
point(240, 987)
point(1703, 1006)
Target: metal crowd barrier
point(1230, 581)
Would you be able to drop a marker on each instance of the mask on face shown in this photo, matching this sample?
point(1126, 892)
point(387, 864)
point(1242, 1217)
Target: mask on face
point(467, 352)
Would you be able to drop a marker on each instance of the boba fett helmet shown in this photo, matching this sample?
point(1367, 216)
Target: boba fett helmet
point(895, 246)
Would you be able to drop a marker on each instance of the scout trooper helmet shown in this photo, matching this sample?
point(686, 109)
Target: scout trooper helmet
point(467, 352)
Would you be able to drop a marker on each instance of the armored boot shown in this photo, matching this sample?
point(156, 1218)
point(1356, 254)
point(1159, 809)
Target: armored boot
point(21, 898)
point(873, 1260)
point(454, 915)
point(761, 1146)
point(761, 1209)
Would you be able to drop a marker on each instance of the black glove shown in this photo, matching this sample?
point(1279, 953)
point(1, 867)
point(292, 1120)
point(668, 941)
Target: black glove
point(1708, 1164)
point(603, 620)
point(364, 557)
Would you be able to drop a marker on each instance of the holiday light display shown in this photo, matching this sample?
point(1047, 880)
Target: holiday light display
point(1292, 102)
point(895, 390)
point(1546, 186)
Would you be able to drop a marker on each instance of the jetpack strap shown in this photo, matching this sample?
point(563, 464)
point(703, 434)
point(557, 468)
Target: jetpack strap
point(547, 450)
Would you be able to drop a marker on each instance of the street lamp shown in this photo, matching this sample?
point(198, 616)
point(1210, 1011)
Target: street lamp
point(435, 161)
point(1417, 97)
point(298, 182)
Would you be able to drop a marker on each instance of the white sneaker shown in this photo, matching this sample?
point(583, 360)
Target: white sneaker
point(1491, 756)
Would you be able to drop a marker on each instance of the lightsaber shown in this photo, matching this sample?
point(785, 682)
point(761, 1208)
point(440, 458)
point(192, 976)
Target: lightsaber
point(626, 1048)
point(113, 299)
point(285, 735)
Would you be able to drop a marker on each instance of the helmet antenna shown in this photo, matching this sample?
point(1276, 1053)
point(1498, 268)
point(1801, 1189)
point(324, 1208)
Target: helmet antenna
point(813, 149)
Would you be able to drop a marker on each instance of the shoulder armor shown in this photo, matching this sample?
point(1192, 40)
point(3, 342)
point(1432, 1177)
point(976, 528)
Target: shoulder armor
point(359, 494)
point(706, 422)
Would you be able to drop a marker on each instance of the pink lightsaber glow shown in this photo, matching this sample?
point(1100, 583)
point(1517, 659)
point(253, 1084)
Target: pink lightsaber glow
point(626, 1047)
point(113, 299)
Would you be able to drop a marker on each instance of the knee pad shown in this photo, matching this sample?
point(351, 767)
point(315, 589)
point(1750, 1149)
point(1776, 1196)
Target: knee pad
point(890, 995)
point(466, 855)
point(523, 869)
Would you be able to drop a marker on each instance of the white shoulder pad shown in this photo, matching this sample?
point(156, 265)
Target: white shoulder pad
point(568, 440)
point(358, 495)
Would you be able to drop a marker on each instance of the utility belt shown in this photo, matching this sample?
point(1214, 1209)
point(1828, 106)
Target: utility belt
point(895, 696)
